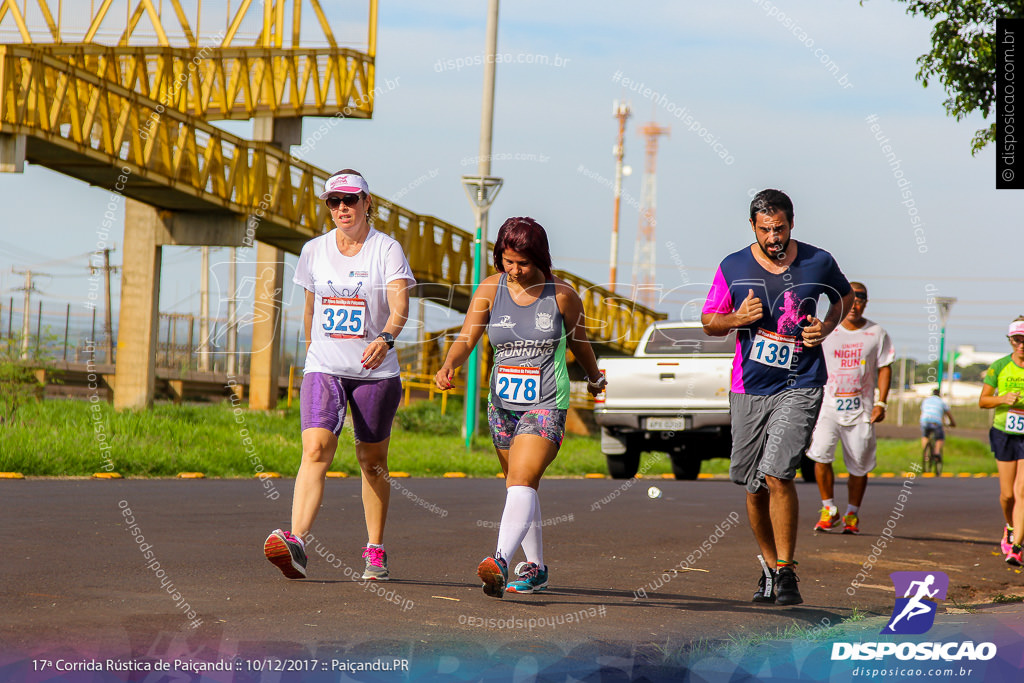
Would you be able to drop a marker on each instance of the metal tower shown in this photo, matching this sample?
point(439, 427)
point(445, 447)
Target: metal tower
point(622, 112)
point(644, 277)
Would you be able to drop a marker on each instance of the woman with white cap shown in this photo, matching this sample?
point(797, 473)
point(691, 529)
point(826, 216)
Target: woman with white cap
point(357, 283)
point(1002, 390)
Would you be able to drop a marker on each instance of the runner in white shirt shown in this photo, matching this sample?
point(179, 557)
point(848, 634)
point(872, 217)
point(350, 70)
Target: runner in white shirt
point(858, 355)
point(357, 284)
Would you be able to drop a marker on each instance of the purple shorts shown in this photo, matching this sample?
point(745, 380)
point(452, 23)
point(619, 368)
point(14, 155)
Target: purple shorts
point(323, 398)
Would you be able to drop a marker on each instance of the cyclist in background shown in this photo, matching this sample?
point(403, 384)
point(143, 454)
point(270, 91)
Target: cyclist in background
point(933, 411)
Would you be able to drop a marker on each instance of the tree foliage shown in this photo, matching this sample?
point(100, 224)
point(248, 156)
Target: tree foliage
point(963, 56)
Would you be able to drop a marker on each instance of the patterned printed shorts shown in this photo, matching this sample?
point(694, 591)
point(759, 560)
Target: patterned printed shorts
point(507, 424)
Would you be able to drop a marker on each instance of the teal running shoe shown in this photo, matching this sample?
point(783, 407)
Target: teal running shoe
point(532, 579)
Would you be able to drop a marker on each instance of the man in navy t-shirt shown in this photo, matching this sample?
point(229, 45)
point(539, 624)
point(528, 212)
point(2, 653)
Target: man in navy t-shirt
point(768, 292)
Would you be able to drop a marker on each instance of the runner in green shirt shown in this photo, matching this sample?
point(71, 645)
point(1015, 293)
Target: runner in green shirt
point(1004, 385)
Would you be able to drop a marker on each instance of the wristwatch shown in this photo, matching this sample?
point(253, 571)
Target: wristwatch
point(388, 338)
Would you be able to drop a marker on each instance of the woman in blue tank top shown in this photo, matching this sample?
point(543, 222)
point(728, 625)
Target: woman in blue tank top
point(531, 318)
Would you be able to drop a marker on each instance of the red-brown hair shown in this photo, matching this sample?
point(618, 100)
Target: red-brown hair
point(526, 236)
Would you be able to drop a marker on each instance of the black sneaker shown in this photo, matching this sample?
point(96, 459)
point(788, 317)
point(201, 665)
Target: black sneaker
point(286, 553)
point(786, 592)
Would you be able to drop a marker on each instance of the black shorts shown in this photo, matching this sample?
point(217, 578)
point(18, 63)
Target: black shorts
point(1006, 447)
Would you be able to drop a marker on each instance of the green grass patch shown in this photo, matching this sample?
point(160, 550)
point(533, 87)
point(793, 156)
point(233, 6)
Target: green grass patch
point(67, 438)
point(958, 455)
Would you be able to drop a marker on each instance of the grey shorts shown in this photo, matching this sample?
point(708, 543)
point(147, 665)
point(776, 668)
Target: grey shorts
point(770, 433)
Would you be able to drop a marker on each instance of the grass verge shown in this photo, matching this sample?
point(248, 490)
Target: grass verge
point(67, 438)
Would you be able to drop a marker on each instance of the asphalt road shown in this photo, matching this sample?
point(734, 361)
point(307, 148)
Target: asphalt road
point(75, 580)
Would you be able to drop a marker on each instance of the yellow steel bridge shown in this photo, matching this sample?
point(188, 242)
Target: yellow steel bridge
point(133, 118)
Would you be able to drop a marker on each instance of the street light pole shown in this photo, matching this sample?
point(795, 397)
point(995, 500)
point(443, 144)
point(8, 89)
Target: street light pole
point(944, 303)
point(482, 189)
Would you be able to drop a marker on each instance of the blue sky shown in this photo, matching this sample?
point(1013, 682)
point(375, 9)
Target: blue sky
point(757, 83)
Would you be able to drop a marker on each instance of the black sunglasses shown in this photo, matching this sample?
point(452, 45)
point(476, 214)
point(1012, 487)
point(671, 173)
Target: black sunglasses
point(334, 202)
point(863, 296)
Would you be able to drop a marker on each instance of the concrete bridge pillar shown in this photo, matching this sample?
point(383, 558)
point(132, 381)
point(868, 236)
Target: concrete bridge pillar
point(265, 362)
point(146, 230)
point(12, 153)
point(139, 316)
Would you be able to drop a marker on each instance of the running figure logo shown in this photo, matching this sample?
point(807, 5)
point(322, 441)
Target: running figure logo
point(914, 613)
point(789, 321)
point(346, 293)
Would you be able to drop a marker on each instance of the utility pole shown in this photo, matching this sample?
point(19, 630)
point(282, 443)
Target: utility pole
point(204, 312)
point(903, 388)
point(26, 329)
point(481, 189)
point(621, 111)
point(232, 368)
point(108, 326)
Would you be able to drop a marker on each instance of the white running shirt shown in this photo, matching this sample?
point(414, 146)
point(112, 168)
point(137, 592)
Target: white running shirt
point(853, 358)
point(350, 302)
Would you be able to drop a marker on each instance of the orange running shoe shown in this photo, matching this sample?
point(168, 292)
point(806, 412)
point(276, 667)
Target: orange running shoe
point(829, 519)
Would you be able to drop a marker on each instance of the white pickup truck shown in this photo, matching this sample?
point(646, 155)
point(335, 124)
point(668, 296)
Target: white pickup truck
point(671, 396)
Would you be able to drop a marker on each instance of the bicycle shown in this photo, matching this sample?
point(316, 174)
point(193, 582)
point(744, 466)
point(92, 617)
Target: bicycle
point(931, 459)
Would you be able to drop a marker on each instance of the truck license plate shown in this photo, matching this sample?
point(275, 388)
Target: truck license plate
point(673, 424)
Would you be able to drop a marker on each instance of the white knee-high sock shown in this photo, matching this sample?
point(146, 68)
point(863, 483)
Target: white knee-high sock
point(533, 542)
point(515, 520)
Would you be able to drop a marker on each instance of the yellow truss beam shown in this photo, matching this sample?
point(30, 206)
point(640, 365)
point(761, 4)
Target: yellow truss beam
point(273, 20)
point(236, 22)
point(235, 83)
point(154, 16)
point(97, 20)
point(12, 7)
point(50, 24)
